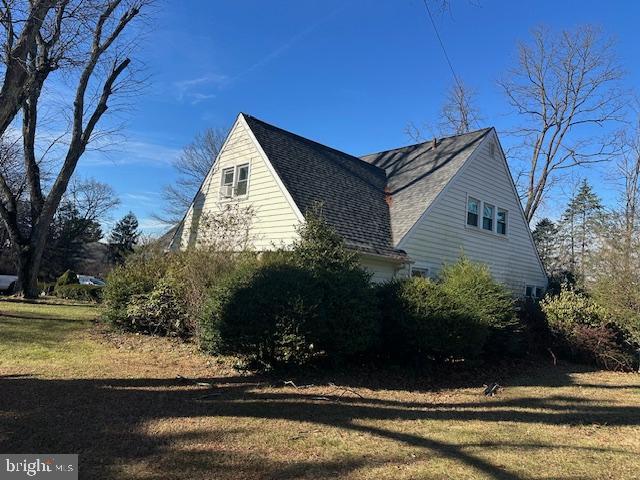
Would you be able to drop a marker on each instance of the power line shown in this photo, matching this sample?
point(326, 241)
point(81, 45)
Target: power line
point(444, 50)
point(446, 56)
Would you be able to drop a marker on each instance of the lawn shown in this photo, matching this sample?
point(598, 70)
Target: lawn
point(136, 407)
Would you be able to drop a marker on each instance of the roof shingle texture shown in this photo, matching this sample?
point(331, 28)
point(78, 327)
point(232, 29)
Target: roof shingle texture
point(416, 174)
point(372, 201)
point(351, 191)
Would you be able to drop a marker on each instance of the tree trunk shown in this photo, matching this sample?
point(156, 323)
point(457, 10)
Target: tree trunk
point(28, 264)
point(29, 257)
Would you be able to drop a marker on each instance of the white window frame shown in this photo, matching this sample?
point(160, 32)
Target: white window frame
point(534, 291)
point(466, 212)
point(421, 268)
point(493, 217)
point(494, 223)
point(234, 182)
point(506, 221)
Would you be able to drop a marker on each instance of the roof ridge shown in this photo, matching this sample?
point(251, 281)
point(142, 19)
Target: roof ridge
point(356, 160)
point(426, 141)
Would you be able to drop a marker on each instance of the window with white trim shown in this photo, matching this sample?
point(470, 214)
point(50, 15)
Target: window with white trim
point(487, 217)
point(532, 291)
point(422, 272)
point(226, 189)
point(242, 181)
point(473, 207)
point(234, 181)
point(501, 221)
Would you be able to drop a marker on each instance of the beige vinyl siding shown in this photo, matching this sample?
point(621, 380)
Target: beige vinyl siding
point(442, 235)
point(381, 270)
point(274, 221)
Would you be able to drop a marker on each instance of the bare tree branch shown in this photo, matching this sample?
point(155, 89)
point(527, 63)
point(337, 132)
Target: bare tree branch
point(566, 87)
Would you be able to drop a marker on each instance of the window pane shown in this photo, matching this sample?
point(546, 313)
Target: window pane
point(529, 291)
point(243, 172)
point(502, 222)
point(487, 217)
point(241, 187)
point(419, 272)
point(538, 292)
point(472, 212)
point(227, 176)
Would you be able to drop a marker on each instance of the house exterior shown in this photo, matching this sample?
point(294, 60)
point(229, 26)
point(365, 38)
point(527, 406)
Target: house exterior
point(406, 211)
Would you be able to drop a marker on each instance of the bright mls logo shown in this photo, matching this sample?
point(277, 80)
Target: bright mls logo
point(49, 466)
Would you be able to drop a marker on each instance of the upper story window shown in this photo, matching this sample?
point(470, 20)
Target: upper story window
point(235, 181)
point(487, 217)
point(473, 207)
point(501, 223)
point(243, 180)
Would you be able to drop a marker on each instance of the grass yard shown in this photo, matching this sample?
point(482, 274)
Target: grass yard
point(68, 385)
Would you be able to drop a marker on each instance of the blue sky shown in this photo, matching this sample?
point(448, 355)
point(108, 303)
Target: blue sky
point(350, 74)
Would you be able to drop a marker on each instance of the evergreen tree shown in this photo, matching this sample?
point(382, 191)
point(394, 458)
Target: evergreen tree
point(581, 225)
point(124, 237)
point(545, 236)
point(68, 233)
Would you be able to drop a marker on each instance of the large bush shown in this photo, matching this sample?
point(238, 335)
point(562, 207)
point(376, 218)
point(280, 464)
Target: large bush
point(453, 318)
point(294, 306)
point(584, 331)
point(490, 302)
point(279, 313)
point(423, 322)
point(181, 280)
point(126, 283)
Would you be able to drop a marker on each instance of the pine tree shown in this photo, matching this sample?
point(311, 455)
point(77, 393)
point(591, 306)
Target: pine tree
point(545, 236)
point(581, 225)
point(124, 237)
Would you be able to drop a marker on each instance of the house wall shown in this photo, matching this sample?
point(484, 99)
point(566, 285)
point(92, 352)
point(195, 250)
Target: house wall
point(274, 219)
point(442, 235)
point(381, 270)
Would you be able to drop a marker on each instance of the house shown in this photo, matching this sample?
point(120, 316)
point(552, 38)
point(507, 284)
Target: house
point(407, 211)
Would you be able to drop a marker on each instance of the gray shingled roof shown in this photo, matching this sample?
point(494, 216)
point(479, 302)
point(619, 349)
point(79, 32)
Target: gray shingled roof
point(371, 201)
point(352, 192)
point(416, 174)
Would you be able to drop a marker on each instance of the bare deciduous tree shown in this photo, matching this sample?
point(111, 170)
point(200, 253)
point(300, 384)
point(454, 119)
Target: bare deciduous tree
point(85, 40)
point(566, 87)
point(22, 25)
point(191, 167)
point(459, 113)
point(628, 166)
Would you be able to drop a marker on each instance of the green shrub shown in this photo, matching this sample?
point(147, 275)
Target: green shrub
point(84, 293)
point(162, 311)
point(422, 321)
point(584, 331)
point(279, 313)
point(67, 278)
point(138, 276)
point(463, 315)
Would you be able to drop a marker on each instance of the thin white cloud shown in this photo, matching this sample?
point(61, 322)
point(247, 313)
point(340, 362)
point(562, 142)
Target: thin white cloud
point(191, 89)
point(130, 152)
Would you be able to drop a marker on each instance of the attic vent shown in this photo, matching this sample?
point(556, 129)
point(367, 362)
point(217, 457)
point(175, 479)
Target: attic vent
point(492, 148)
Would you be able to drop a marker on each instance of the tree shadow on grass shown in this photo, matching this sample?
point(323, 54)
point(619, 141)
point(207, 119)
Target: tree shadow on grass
point(107, 422)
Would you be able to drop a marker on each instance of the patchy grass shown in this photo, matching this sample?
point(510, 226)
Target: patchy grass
point(69, 385)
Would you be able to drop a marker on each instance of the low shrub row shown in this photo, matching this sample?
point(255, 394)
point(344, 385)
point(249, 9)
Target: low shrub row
point(584, 331)
point(83, 293)
point(314, 303)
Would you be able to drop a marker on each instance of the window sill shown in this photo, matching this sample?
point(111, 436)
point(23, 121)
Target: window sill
point(235, 198)
point(487, 232)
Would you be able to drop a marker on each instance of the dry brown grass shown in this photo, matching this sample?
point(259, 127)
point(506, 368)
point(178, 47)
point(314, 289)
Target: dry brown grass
point(68, 385)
